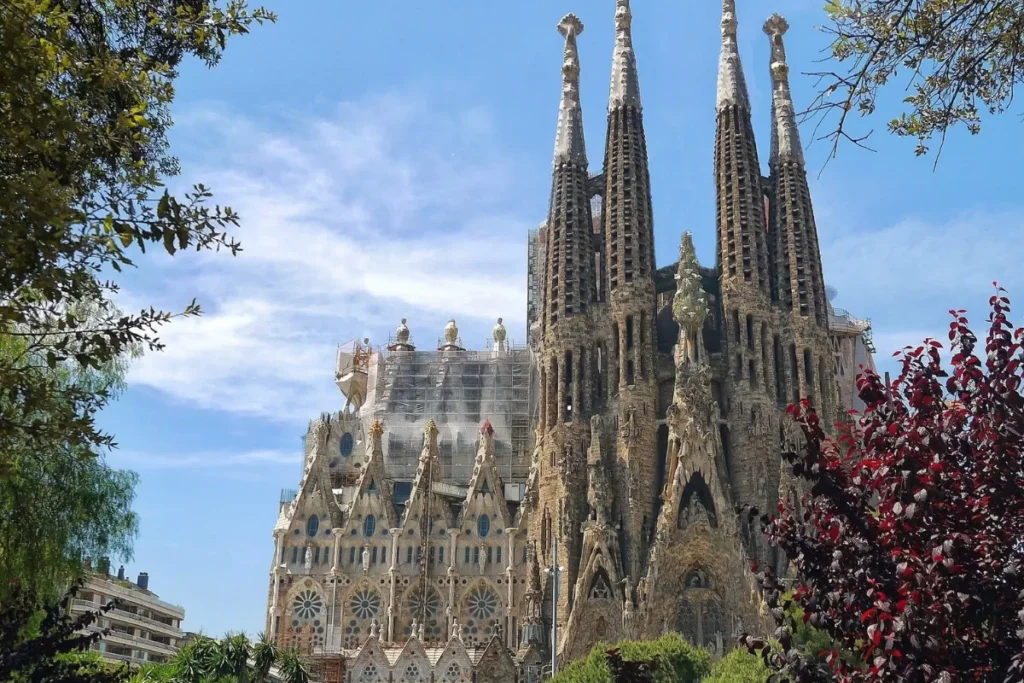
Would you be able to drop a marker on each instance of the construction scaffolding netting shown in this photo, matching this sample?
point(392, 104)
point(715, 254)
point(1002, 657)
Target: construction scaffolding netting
point(458, 389)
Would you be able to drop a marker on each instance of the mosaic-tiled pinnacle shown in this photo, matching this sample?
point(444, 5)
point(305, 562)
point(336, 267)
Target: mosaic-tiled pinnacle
point(625, 86)
point(569, 145)
point(732, 88)
point(785, 136)
point(690, 304)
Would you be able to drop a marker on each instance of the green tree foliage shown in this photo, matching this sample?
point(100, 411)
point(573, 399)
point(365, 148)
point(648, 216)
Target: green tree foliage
point(669, 659)
point(739, 666)
point(954, 58)
point(85, 94)
point(234, 659)
point(47, 646)
point(57, 504)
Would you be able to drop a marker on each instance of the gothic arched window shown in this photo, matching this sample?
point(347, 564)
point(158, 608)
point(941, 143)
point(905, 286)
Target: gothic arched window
point(483, 526)
point(312, 525)
point(369, 526)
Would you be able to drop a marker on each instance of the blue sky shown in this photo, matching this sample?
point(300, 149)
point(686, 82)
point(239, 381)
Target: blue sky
point(387, 159)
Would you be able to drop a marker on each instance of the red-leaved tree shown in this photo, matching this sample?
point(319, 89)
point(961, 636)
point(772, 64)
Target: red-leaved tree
point(907, 550)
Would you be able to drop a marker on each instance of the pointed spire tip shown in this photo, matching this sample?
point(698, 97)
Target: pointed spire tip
point(776, 25)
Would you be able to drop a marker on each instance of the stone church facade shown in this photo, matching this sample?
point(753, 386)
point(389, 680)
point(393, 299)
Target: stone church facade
point(463, 502)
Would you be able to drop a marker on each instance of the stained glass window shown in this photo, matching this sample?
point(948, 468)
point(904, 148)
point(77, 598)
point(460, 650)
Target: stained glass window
point(369, 526)
point(312, 525)
point(347, 444)
point(366, 604)
point(307, 605)
point(483, 526)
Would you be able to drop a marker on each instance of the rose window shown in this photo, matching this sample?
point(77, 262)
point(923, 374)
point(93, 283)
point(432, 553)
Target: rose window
point(307, 605)
point(370, 674)
point(366, 604)
point(412, 673)
point(482, 603)
point(429, 608)
point(454, 672)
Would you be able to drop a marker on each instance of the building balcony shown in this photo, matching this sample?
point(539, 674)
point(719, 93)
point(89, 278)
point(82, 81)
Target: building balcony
point(117, 614)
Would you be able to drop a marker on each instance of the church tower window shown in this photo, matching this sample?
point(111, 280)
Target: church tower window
point(347, 444)
point(312, 525)
point(369, 526)
point(483, 526)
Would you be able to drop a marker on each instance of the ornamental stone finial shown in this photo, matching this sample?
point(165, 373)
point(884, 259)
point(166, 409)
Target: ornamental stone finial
point(732, 88)
point(690, 303)
point(625, 86)
point(402, 333)
point(431, 429)
point(569, 145)
point(785, 134)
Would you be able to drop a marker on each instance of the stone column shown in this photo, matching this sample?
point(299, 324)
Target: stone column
point(510, 534)
point(393, 574)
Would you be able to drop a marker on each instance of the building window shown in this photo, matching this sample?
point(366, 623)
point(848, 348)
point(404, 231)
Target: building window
point(483, 526)
point(312, 525)
point(476, 555)
point(490, 555)
point(524, 553)
point(373, 556)
point(467, 555)
point(316, 555)
point(295, 555)
point(440, 554)
point(369, 526)
point(408, 555)
point(499, 554)
point(352, 555)
point(347, 444)
point(384, 555)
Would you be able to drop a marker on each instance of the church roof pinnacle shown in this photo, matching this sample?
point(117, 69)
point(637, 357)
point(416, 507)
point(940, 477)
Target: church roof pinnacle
point(732, 88)
point(785, 135)
point(569, 144)
point(625, 85)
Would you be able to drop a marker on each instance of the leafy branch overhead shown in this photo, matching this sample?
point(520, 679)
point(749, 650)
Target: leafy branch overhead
point(954, 59)
point(907, 550)
point(85, 94)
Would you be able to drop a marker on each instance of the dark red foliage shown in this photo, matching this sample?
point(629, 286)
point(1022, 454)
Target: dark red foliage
point(908, 546)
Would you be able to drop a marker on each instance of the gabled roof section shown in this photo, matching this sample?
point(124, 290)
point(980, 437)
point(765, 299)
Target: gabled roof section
point(485, 486)
point(372, 484)
point(412, 652)
point(315, 488)
point(428, 473)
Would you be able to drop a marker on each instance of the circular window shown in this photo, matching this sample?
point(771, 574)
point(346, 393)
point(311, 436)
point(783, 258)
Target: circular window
point(483, 526)
point(312, 525)
point(369, 526)
point(347, 444)
point(307, 605)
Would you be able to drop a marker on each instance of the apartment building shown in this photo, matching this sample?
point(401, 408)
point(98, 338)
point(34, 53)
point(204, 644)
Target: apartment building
point(142, 628)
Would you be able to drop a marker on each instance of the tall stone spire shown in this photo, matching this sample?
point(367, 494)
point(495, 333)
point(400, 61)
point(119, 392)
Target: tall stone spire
point(569, 145)
point(800, 282)
point(742, 245)
point(625, 86)
point(785, 136)
point(628, 227)
point(566, 348)
point(732, 88)
point(800, 286)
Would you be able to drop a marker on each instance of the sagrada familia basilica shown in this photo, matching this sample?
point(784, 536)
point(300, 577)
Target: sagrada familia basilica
point(469, 513)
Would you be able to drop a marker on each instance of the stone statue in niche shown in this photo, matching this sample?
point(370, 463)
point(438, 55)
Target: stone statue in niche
point(309, 557)
point(695, 513)
point(366, 559)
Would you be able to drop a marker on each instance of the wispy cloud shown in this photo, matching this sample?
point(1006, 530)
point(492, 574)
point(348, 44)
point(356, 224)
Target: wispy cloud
point(388, 209)
point(907, 275)
point(260, 459)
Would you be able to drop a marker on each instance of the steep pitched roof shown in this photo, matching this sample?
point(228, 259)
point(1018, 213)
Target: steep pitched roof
point(485, 485)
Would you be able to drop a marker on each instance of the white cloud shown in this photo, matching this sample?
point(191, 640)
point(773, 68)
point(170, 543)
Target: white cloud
point(387, 209)
point(205, 460)
point(908, 275)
